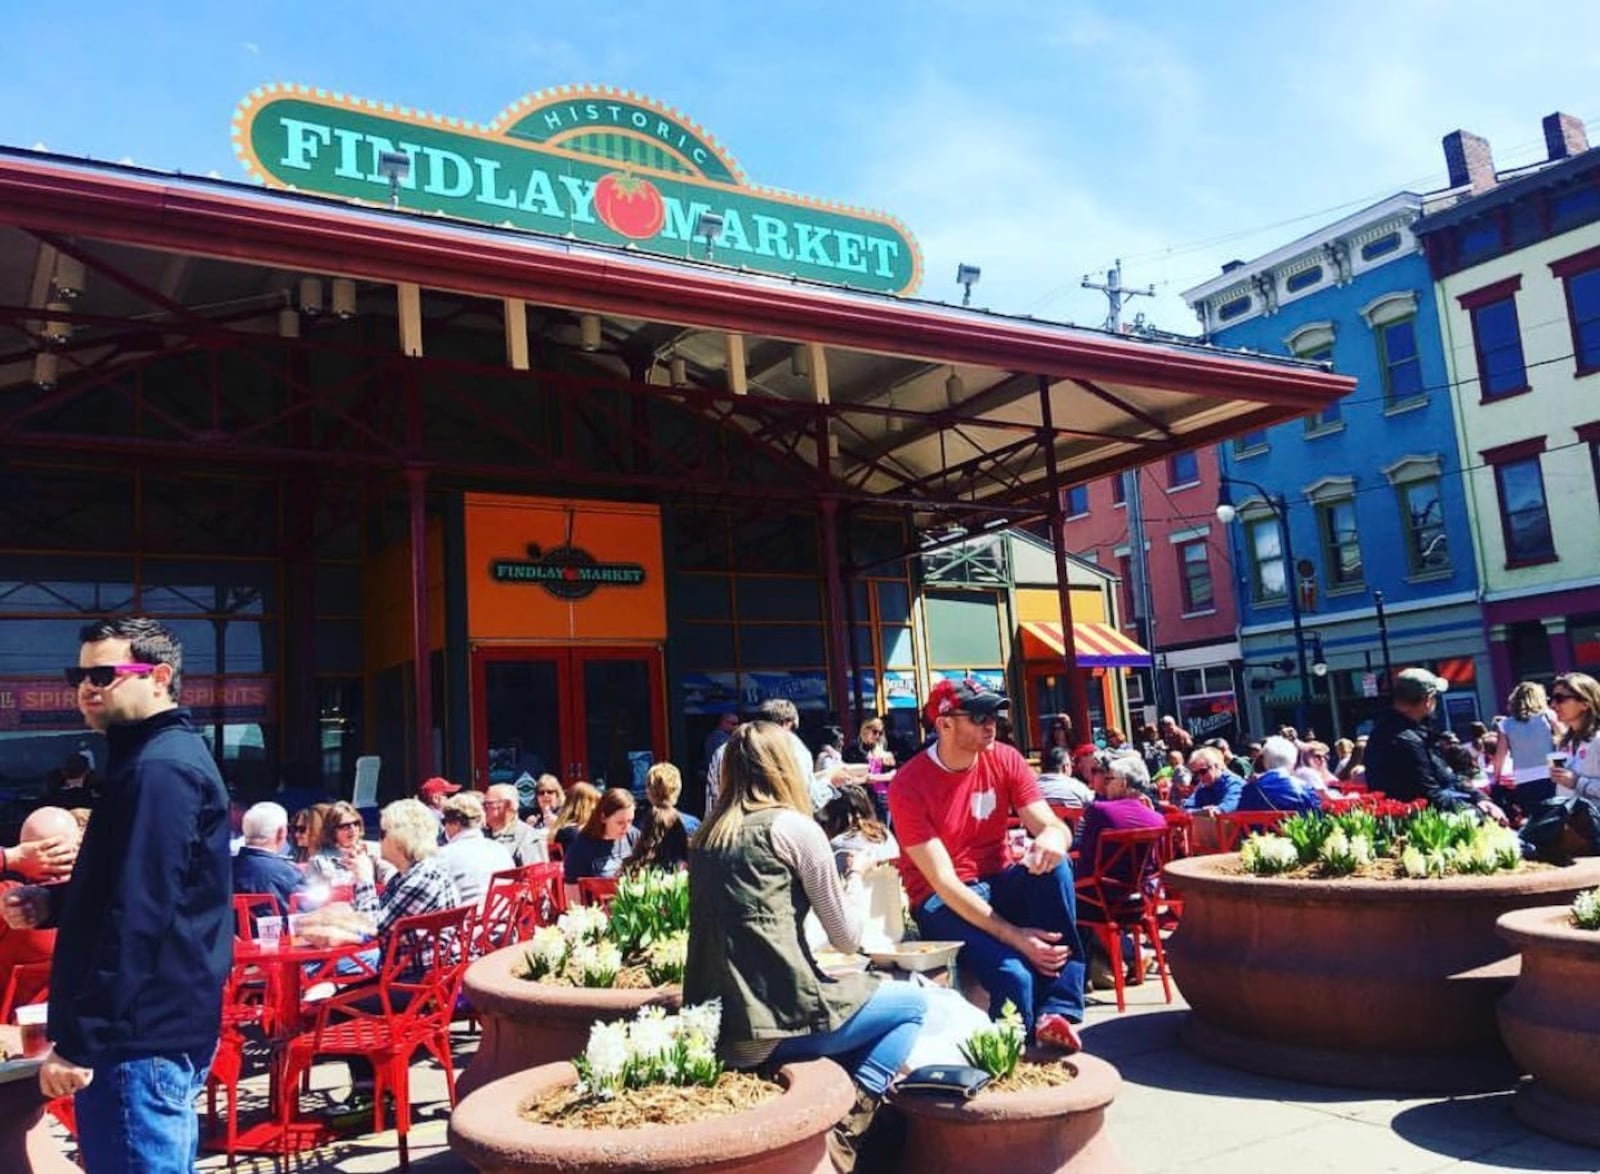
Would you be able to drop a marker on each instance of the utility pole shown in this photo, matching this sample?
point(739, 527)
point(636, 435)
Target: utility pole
point(1117, 296)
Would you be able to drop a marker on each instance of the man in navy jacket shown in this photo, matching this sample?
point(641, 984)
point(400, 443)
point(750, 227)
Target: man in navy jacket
point(260, 865)
point(145, 927)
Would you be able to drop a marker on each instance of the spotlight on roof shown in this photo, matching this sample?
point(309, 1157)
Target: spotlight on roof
point(967, 277)
point(708, 227)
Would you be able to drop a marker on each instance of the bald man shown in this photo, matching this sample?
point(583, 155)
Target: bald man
point(19, 946)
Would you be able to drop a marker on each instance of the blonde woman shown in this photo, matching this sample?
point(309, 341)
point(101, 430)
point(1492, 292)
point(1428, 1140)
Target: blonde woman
point(1528, 734)
point(759, 863)
point(582, 799)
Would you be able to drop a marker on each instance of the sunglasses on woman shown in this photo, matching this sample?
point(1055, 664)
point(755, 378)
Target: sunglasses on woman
point(1556, 698)
point(101, 675)
point(350, 824)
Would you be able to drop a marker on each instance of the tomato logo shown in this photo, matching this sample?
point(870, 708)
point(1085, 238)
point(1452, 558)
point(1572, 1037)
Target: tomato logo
point(629, 205)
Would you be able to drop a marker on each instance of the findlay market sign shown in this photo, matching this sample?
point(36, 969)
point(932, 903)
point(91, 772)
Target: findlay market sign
point(567, 572)
point(597, 163)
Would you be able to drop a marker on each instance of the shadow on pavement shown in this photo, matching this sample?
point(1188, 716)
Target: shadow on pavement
point(1437, 1125)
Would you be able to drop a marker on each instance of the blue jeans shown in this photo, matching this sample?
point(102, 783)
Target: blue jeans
point(1046, 902)
point(139, 1116)
point(872, 1043)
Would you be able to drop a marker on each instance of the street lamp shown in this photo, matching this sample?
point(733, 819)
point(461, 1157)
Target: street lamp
point(1280, 510)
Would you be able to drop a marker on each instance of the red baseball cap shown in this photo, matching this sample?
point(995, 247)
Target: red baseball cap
point(968, 696)
point(437, 786)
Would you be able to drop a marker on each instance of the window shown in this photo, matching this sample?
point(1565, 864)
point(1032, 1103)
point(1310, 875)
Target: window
point(1497, 338)
point(1341, 546)
point(1183, 468)
point(1381, 247)
point(1590, 434)
point(1194, 565)
point(1231, 310)
point(1304, 279)
point(1524, 513)
point(1250, 443)
point(1399, 362)
point(1581, 276)
point(1077, 501)
point(1331, 416)
point(1422, 523)
point(1264, 542)
point(1119, 488)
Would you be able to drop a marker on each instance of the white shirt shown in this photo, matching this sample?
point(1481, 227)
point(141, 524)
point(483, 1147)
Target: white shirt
point(471, 859)
point(802, 761)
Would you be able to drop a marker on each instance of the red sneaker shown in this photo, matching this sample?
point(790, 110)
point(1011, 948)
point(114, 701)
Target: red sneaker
point(1055, 1031)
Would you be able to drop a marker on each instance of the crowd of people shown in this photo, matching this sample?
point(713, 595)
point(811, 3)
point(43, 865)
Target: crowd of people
point(135, 912)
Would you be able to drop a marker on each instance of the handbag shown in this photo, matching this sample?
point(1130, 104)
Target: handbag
point(944, 1080)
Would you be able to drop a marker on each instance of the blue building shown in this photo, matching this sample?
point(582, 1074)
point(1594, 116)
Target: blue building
point(1371, 489)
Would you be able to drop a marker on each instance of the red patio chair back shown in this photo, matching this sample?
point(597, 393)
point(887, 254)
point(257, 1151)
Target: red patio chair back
point(1235, 827)
point(518, 901)
point(28, 983)
point(248, 908)
point(1120, 893)
point(597, 890)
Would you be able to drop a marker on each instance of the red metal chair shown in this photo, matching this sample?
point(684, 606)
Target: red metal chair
point(248, 908)
point(597, 890)
point(1235, 827)
point(409, 1007)
point(518, 901)
point(28, 983)
point(1120, 895)
point(243, 1005)
point(1067, 814)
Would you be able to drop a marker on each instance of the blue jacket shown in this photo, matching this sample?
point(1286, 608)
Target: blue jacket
point(1222, 792)
point(145, 925)
point(1278, 791)
point(256, 870)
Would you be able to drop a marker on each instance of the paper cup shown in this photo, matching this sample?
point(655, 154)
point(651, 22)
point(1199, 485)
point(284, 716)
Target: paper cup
point(33, 1019)
point(269, 931)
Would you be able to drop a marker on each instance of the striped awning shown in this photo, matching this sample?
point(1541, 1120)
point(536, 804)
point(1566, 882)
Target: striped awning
point(1099, 646)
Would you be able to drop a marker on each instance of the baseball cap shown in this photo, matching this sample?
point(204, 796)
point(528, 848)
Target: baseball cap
point(438, 786)
point(1085, 750)
point(968, 696)
point(1415, 684)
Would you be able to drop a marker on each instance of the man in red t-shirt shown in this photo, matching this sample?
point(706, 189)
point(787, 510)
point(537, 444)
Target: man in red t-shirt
point(18, 947)
point(1018, 924)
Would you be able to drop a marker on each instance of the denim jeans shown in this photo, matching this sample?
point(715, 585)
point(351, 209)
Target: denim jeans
point(1046, 902)
point(872, 1043)
point(139, 1116)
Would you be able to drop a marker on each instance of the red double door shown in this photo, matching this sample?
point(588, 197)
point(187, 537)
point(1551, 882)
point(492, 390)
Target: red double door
point(577, 713)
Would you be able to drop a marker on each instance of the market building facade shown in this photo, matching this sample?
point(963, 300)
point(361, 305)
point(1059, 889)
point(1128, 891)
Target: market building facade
point(485, 500)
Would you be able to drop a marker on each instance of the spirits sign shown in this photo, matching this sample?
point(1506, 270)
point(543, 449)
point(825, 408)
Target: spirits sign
point(590, 162)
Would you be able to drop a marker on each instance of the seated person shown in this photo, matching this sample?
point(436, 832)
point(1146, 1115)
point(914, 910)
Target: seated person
point(582, 799)
point(260, 865)
point(605, 842)
point(42, 859)
point(72, 784)
point(663, 783)
point(343, 840)
point(22, 946)
point(859, 840)
point(500, 824)
point(757, 867)
point(663, 843)
point(548, 797)
point(1172, 776)
point(1124, 802)
point(1216, 788)
point(1275, 789)
point(1312, 768)
point(1057, 783)
point(1018, 924)
point(469, 856)
point(1402, 759)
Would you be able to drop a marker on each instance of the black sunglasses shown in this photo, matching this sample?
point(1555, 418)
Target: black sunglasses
point(101, 675)
point(1563, 697)
point(351, 823)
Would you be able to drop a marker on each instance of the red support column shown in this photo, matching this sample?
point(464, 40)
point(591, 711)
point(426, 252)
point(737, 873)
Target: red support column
point(417, 485)
point(838, 646)
point(1077, 695)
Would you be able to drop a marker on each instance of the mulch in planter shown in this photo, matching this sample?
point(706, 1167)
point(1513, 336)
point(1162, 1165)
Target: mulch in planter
point(629, 978)
point(1379, 871)
point(734, 1092)
point(1029, 1074)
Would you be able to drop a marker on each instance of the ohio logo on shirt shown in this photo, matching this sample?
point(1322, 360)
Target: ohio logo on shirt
point(983, 804)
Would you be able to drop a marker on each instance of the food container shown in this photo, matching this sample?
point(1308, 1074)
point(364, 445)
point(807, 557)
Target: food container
point(835, 964)
point(917, 955)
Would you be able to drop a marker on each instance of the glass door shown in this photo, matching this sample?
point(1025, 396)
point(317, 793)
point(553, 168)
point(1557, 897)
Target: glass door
point(576, 713)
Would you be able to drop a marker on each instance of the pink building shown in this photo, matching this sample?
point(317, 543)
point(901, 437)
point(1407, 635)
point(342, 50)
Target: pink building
point(1194, 628)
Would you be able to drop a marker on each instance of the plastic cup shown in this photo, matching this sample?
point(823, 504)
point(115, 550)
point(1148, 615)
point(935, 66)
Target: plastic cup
point(1556, 758)
point(34, 1021)
point(269, 931)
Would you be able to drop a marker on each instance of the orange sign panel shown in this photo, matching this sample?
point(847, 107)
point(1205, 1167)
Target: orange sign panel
point(542, 569)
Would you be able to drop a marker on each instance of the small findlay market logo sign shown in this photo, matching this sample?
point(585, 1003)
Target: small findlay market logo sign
point(567, 572)
point(591, 162)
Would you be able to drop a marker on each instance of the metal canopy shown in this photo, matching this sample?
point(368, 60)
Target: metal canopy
point(849, 396)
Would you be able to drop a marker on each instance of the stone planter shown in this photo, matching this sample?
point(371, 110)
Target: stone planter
point(1041, 1131)
point(526, 1024)
point(786, 1135)
point(1385, 985)
point(1551, 1023)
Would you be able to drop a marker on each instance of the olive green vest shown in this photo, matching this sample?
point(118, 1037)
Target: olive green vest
point(747, 948)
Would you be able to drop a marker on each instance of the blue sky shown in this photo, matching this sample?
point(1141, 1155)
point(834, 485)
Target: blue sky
point(1039, 139)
